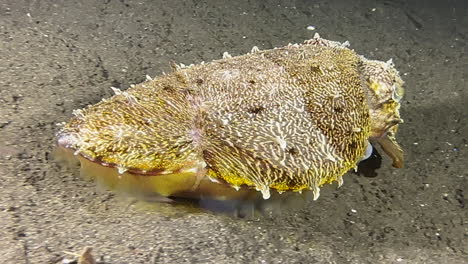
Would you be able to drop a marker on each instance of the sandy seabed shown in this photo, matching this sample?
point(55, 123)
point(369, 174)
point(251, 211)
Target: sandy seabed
point(56, 56)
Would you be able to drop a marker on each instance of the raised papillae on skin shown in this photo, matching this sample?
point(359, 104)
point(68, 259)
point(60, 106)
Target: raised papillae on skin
point(285, 119)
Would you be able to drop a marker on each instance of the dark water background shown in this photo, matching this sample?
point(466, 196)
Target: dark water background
point(56, 56)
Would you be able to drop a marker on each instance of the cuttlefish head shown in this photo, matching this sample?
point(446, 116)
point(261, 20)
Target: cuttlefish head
point(384, 90)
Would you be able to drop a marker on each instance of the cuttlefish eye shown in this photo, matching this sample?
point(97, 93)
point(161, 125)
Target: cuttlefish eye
point(398, 93)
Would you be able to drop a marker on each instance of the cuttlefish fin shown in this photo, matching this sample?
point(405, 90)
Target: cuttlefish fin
point(393, 149)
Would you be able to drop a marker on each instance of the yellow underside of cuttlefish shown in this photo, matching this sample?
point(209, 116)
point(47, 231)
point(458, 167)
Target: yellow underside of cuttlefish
point(188, 184)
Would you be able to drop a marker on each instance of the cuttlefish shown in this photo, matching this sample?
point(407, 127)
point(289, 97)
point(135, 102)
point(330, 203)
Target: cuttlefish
point(281, 120)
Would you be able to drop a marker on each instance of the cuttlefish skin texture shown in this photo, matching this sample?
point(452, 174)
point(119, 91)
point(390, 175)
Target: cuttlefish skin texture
point(286, 119)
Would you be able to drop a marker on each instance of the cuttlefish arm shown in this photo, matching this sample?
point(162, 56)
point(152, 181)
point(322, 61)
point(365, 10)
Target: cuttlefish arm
point(392, 148)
